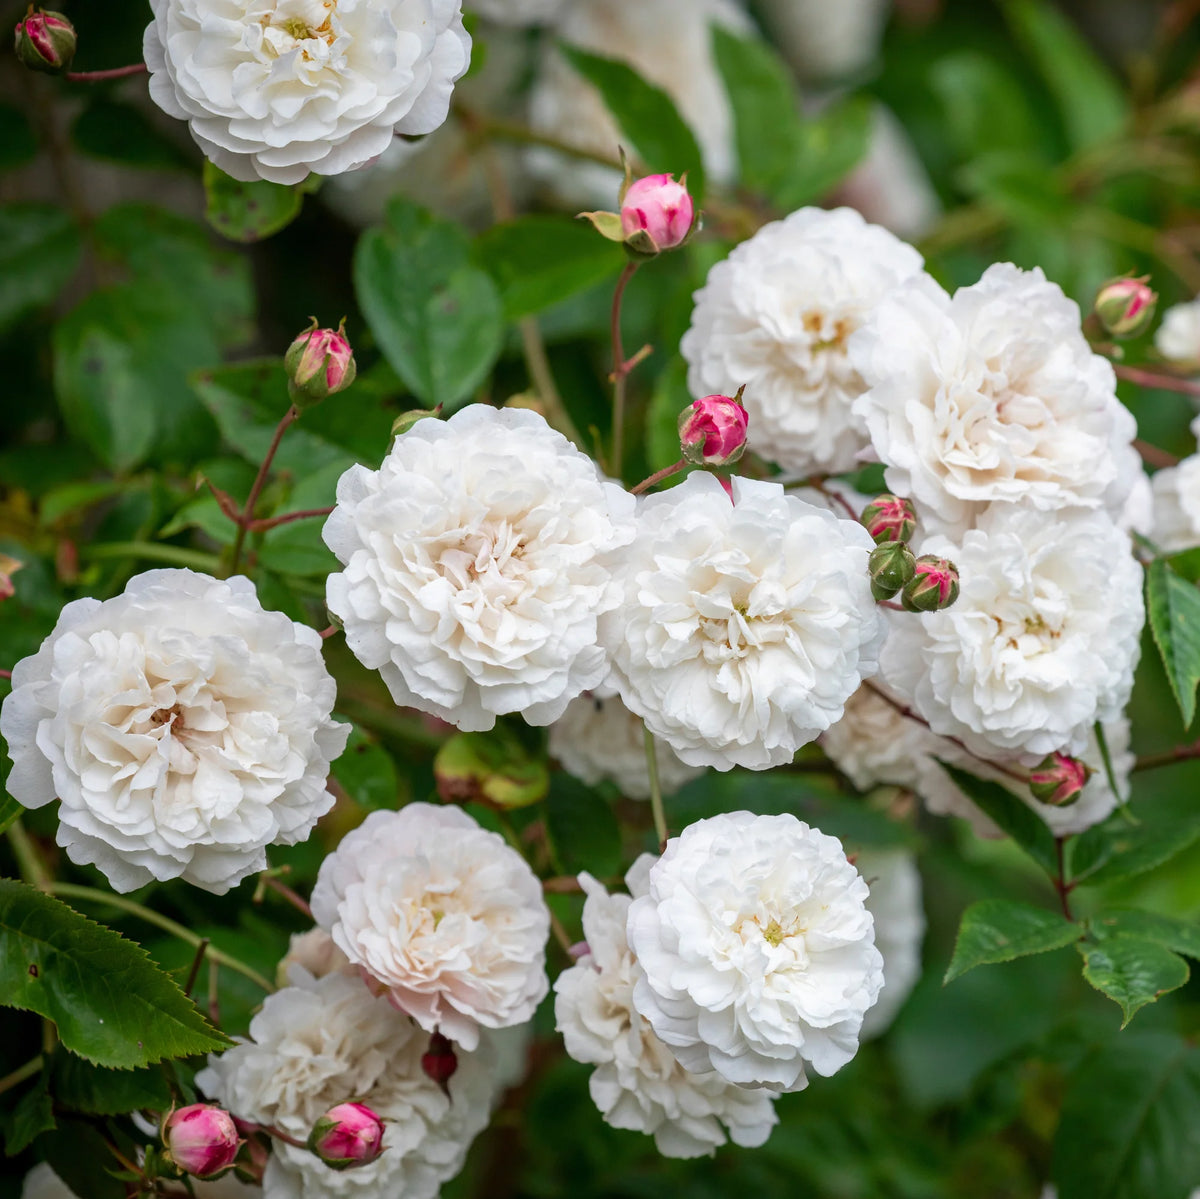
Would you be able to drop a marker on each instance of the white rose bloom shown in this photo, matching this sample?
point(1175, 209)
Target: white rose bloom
point(993, 396)
point(668, 44)
point(1178, 337)
point(1041, 643)
point(777, 316)
point(1138, 514)
point(757, 950)
point(42, 1183)
point(323, 1041)
point(1176, 502)
point(182, 728)
point(823, 40)
point(476, 565)
point(314, 952)
point(895, 903)
point(443, 915)
point(274, 89)
point(745, 626)
point(637, 1083)
point(941, 794)
point(598, 738)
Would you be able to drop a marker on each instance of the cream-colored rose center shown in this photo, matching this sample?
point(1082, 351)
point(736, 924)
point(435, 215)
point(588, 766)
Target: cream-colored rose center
point(296, 22)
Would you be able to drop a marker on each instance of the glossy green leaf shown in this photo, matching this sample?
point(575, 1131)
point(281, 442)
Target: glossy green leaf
point(438, 319)
point(80, 1086)
point(248, 212)
point(999, 930)
point(39, 251)
point(1118, 849)
point(539, 261)
point(1173, 609)
point(32, 1115)
point(647, 116)
point(1180, 936)
point(1132, 971)
point(1129, 1118)
point(367, 772)
point(1023, 825)
point(108, 1001)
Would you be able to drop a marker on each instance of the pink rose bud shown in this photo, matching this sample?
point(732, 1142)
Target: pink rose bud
point(889, 518)
point(1125, 307)
point(656, 214)
point(439, 1061)
point(201, 1139)
point(712, 431)
point(45, 41)
point(1058, 780)
point(319, 363)
point(348, 1135)
point(934, 585)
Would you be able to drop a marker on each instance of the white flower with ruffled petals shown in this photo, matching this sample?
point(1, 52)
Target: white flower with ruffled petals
point(1041, 643)
point(637, 1083)
point(182, 728)
point(444, 916)
point(276, 89)
point(777, 316)
point(745, 626)
point(895, 903)
point(757, 950)
point(476, 564)
point(1178, 337)
point(324, 1041)
point(1176, 502)
point(992, 397)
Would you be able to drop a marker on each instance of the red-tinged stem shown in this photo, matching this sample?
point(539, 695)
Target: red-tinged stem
point(620, 370)
point(225, 502)
point(830, 494)
point(288, 417)
point(566, 884)
point(1152, 379)
point(329, 632)
point(297, 901)
point(1153, 455)
point(892, 605)
point(658, 476)
point(5, 674)
point(137, 68)
point(261, 526)
point(1181, 753)
point(1061, 886)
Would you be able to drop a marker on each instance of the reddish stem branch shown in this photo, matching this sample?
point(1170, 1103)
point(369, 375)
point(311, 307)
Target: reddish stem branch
point(296, 900)
point(1153, 455)
point(1152, 379)
point(1061, 886)
point(328, 632)
point(248, 511)
point(1168, 757)
point(260, 526)
point(137, 68)
point(658, 476)
point(5, 674)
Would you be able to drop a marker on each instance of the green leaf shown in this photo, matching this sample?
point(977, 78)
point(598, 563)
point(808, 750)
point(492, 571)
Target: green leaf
point(1024, 826)
point(1129, 1118)
point(438, 319)
point(248, 212)
point(1173, 607)
point(999, 930)
point(367, 772)
point(985, 107)
point(1090, 102)
point(831, 146)
point(80, 1086)
point(492, 768)
point(1117, 849)
point(79, 1155)
point(39, 251)
point(1019, 186)
point(1133, 971)
point(539, 261)
point(647, 117)
point(32, 1116)
point(110, 1004)
point(121, 133)
point(1180, 936)
point(582, 828)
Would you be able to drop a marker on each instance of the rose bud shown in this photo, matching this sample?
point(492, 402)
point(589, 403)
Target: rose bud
point(1125, 307)
point(201, 1139)
point(889, 518)
point(934, 585)
point(347, 1135)
point(1058, 780)
point(439, 1062)
point(712, 431)
point(656, 214)
point(45, 41)
point(891, 566)
point(319, 363)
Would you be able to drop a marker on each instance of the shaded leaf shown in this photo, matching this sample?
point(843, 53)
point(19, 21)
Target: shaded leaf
point(1117, 849)
point(248, 212)
point(367, 772)
point(10, 810)
point(1173, 609)
point(1181, 936)
point(80, 1086)
point(121, 133)
point(999, 930)
point(39, 251)
point(582, 827)
point(78, 1154)
point(32, 1115)
point(985, 107)
point(1132, 971)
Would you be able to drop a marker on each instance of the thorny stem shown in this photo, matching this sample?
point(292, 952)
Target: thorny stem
point(658, 476)
point(137, 68)
point(261, 526)
point(656, 800)
point(1153, 379)
point(621, 369)
point(215, 955)
point(248, 511)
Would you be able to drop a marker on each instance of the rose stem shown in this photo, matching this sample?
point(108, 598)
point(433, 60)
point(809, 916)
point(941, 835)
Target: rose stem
point(656, 800)
point(248, 511)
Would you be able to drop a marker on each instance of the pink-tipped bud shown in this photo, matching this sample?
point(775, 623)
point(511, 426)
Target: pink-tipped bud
point(1125, 307)
point(439, 1061)
point(890, 566)
point(45, 41)
point(934, 585)
point(656, 214)
point(1058, 780)
point(201, 1139)
point(319, 363)
point(348, 1135)
point(889, 518)
point(712, 431)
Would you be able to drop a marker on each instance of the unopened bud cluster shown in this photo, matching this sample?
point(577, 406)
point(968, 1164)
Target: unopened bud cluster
point(656, 214)
point(712, 430)
point(1125, 307)
point(45, 41)
point(319, 363)
point(925, 584)
point(1058, 780)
